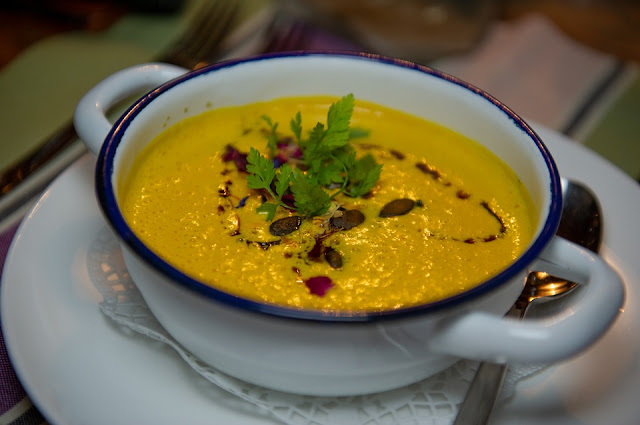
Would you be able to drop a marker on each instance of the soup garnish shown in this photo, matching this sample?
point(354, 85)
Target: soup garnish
point(372, 210)
point(326, 156)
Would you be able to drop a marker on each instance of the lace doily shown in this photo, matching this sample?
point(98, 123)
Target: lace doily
point(433, 401)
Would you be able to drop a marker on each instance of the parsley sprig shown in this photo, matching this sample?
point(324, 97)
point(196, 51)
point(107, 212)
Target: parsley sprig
point(272, 137)
point(328, 158)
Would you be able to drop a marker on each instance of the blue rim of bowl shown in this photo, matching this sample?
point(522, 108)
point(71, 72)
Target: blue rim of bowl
point(108, 203)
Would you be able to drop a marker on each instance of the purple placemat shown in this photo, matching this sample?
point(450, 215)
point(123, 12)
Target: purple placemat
point(15, 406)
point(11, 392)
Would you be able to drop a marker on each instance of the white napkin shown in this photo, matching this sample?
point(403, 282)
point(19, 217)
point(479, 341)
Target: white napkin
point(538, 71)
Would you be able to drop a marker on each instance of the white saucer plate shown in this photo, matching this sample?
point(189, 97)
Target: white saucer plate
point(78, 368)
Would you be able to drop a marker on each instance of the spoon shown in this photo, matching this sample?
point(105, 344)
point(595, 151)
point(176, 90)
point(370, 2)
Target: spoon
point(580, 223)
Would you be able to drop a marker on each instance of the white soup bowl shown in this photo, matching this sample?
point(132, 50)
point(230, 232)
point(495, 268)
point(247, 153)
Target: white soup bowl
point(311, 352)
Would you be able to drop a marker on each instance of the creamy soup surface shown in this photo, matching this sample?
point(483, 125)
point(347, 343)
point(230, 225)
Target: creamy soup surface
point(469, 215)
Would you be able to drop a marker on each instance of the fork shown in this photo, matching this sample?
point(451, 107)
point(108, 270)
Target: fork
point(203, 39)
point(287, 35)
point(200, 43)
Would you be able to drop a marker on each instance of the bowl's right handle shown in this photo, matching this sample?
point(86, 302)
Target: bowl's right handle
point(590, 311)
point(90, 116)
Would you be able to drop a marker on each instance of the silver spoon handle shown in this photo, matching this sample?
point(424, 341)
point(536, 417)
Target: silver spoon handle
point(482, 394)
point(483, 391)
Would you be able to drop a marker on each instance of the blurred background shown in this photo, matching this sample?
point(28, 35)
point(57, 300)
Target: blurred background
point(413, 29)
point(569, 65)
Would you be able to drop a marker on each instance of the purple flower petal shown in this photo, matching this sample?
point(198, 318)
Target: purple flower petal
point(287, 151)
point(319, 285)
point(239, 158)
point(229, 153)
point(289, 200)
point(241, 162)
point(242, 202)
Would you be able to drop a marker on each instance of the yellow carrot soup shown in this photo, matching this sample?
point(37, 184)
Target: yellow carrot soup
point(444, 214)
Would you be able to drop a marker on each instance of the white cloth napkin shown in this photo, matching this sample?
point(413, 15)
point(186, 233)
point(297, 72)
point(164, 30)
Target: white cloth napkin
point(538, 71)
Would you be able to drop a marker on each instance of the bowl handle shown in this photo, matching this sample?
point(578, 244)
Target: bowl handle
point(90, 118)
point(591, 309)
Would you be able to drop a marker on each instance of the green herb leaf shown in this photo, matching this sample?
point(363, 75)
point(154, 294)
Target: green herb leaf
point(363, 176)
point(272, 137)
point(346, 155)
point(285, 175)
point(296, 126)
point(261, 170)
point(338, 120)
point(261, 176)
point(331, 173)
point(358, 133)
point(310, 198)
point(268, 208)
point(329, 161)
point(336, 171)
point(313, 148)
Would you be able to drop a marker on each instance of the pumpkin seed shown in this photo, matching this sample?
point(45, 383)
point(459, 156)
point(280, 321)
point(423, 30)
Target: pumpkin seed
point(347, 219)
point(397, 207)
point(334, 258)
point(286, 225)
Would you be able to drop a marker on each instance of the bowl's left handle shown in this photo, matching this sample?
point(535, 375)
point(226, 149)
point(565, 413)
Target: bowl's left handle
point(90, 119)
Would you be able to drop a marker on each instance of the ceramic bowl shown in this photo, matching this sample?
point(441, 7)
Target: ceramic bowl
point(311, 352)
